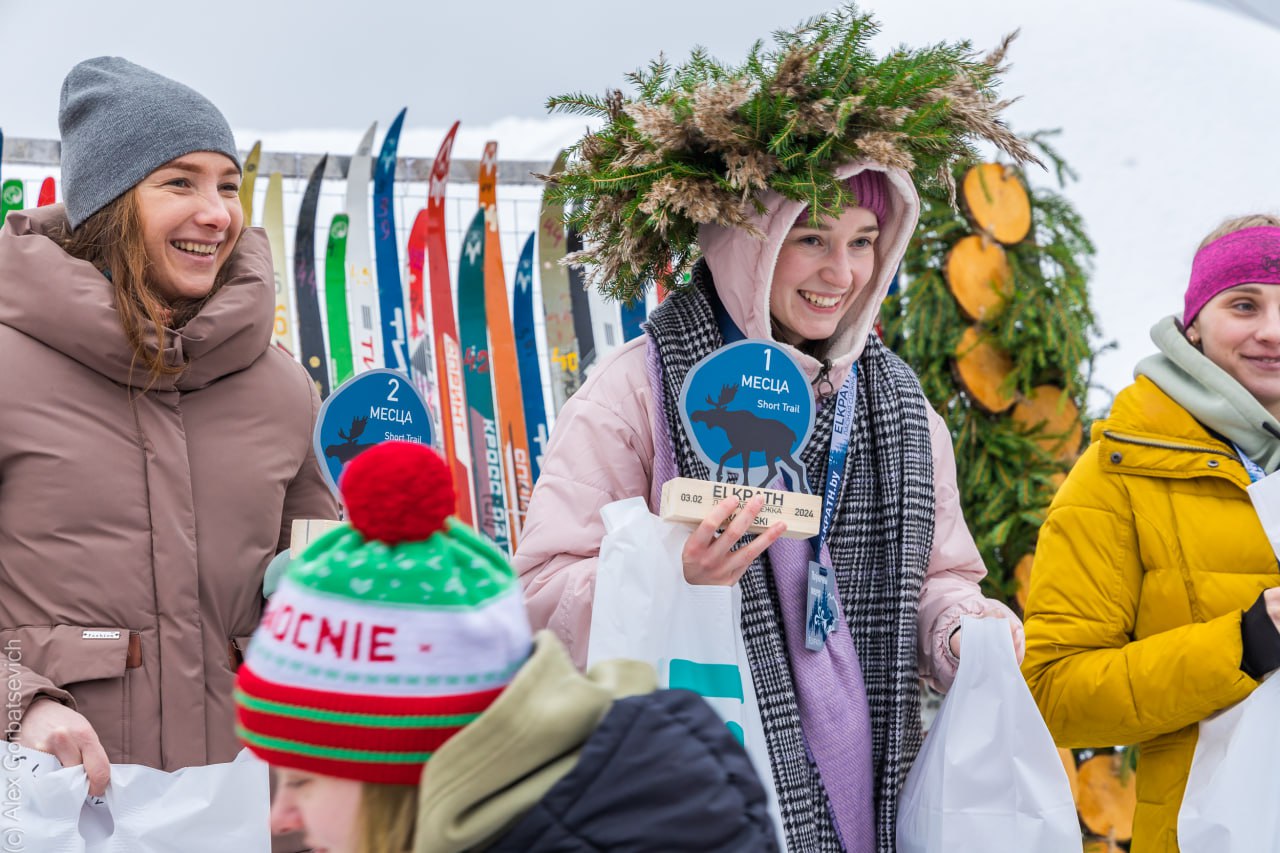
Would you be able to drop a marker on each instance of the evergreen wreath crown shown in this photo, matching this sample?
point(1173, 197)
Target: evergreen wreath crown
point(696, 142)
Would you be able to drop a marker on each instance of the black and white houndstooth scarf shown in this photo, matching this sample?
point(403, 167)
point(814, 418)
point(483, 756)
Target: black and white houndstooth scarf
point(880, 543)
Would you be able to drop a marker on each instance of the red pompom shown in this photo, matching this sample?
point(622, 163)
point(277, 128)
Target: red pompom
point(397, 491)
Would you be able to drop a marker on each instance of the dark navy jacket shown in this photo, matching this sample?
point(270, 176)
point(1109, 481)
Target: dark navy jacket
point(660, 773)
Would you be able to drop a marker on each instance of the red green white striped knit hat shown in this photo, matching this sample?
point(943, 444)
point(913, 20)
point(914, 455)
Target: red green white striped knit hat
point(387, 635)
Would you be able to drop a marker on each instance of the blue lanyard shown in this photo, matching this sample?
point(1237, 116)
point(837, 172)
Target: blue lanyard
point(841, 430)
point(1255, 470)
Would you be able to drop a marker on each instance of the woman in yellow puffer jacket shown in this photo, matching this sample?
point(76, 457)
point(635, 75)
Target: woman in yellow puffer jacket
point(1155, 597)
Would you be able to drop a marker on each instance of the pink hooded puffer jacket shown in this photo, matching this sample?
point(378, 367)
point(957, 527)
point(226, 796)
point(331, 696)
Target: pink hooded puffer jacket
point(601, 449)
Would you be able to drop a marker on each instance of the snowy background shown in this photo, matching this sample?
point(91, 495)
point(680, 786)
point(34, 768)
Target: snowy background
point(1167, 107)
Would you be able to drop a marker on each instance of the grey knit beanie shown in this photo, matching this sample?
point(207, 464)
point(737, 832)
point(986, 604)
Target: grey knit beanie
point(121, 122)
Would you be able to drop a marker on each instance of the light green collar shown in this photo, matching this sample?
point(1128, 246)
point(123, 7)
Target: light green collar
point(1211, 395)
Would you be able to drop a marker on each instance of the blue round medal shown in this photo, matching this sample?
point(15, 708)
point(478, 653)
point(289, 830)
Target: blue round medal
point(368, 409)
point(748, 410)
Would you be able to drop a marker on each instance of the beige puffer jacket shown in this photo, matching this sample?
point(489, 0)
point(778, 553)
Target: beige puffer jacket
point(135, 524)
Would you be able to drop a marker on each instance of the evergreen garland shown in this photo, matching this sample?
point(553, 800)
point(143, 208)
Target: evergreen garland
point(695, 143)
point(1006, 479)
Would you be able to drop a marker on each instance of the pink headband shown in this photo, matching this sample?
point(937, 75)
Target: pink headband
point(1248, 256)
point(871, 188)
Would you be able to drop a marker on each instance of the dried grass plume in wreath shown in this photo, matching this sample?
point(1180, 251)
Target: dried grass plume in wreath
point(696, 142)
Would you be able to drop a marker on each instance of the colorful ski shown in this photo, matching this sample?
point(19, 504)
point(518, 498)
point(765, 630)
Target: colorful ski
point(486, 449)
point(335, 298)
point(535, 411)
point(273, 221)
point(633, 314)
point(583, 328)
point(366, 340)
point(419, 335)
point(11, 197)
point(246, 182)
point(557, 304)
point(310, 330)
point(395, 349)
point(450, 385)
point(48, 192)
point(415, 253)
point(502, 354)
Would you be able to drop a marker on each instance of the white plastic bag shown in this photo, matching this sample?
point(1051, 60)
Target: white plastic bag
point(197, 810)
point(213, 808)
point(645, 610)
point(39, 808)
point(1233, 787)
point(988, 778)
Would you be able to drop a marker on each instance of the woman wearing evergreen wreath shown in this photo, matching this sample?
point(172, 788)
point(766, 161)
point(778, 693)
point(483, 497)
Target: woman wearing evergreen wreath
point(1155, 596)
point(792, 176)
point(154, 446)
point(396, 685)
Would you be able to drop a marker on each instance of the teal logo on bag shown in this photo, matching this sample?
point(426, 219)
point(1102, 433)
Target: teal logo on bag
point(712, 680)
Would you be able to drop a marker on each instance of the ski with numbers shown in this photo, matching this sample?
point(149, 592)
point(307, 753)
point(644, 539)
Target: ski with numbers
point(273, 222)
point(502, 354)
point(486, 448)
point(535, 411)
point(247, 181)
point(335, 300)
point(450, 385)
point(557, 304)
point(395, 347)
point(310, 328)
point(366, 339)
point(48, 192)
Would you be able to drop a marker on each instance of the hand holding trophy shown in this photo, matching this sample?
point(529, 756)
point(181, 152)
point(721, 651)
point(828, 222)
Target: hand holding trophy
point(747, 403)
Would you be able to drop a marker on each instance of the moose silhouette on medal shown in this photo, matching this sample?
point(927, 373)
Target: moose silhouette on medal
point(749, 433)
point(349, 450)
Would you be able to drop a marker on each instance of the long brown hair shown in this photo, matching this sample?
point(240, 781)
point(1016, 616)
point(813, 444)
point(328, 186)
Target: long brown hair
point(387, 818)
point(112, 241)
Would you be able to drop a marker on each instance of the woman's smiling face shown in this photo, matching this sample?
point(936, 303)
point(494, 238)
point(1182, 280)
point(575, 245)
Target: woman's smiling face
point(191, 220)
point(1239, 330)
point(820, 272)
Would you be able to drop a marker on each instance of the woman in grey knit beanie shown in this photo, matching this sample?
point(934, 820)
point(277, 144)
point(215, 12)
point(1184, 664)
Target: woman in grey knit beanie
point(154, 446)
point(127, 135)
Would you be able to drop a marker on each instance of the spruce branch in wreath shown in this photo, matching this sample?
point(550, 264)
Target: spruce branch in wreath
point(694, 143)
